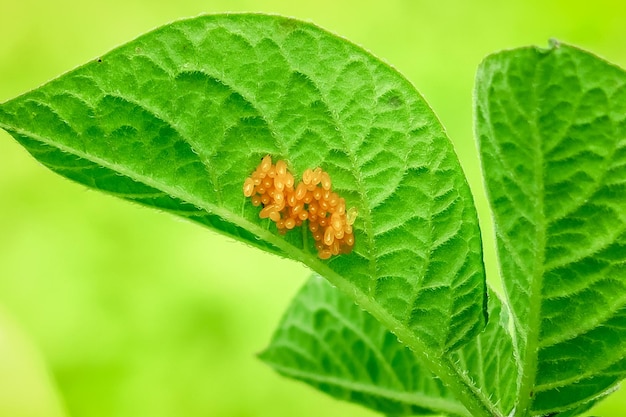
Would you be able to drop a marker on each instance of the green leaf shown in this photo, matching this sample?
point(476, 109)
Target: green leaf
point(488, 360)
point(178, 118)
point(552, 131)
point(327, 341)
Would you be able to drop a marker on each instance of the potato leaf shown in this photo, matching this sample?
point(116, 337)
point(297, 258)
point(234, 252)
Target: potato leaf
point(552, 130)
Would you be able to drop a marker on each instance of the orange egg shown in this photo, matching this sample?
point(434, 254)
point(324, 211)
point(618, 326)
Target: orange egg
point(289, 205)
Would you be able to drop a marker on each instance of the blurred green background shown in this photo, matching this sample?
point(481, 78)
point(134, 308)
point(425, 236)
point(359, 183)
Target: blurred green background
point(110, 309)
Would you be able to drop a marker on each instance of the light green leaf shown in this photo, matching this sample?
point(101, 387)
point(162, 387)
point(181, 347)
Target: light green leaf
point(552, 131)
point(178, 118)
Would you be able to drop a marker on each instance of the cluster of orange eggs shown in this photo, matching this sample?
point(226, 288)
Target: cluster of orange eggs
point(289, 205)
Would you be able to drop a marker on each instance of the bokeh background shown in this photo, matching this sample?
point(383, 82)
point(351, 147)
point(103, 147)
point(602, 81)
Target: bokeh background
point(108, 309)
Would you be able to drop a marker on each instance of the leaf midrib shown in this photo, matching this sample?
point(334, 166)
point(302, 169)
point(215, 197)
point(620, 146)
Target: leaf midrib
point(175, 192)
point(415, 399)
point(530, 356)
point(365, 338)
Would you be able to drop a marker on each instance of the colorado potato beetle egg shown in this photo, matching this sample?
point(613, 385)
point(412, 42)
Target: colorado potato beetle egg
point(266, 164)
point(288, 205)
point(248, 187)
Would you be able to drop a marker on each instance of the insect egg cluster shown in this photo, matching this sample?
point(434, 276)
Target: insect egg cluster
point(289, 205)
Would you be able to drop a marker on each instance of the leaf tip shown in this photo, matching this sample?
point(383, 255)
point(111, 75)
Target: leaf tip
point(554, 43)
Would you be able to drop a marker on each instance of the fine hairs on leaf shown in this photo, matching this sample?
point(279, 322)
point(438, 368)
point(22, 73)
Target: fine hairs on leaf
point(403, 322)
point(553, 149)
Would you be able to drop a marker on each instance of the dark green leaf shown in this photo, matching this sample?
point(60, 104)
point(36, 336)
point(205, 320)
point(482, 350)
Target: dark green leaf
point(327, 341)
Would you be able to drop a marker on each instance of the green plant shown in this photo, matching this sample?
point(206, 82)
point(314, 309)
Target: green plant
point(178, 118)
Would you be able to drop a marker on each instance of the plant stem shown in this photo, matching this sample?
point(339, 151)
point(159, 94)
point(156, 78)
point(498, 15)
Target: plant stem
point(457, 381)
